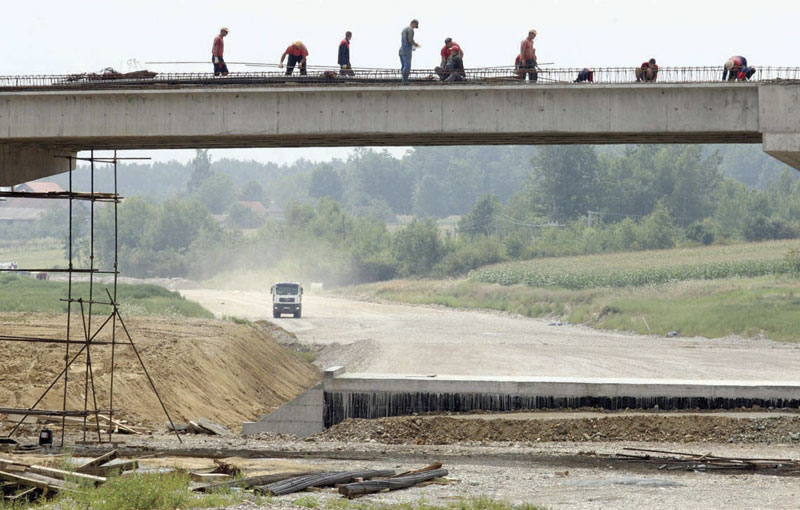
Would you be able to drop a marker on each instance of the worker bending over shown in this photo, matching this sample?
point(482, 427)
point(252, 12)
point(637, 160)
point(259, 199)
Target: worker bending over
point(298, 54)
point(648, 71)
point(451, 67)
point(584, 75)
point(345, 69)
point(736, 68)
point(217, 49)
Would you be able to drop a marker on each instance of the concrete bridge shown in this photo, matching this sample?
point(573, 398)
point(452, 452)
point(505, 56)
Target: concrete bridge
point(36, 125)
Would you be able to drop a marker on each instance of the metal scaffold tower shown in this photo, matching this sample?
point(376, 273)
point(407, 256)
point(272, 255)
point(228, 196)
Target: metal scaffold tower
point(85, 308)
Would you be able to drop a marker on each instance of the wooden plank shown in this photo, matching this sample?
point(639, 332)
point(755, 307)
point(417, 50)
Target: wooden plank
point(209, 477)
point(60, 474)
point(28, 481)
point(29, 494)
point(111, 469)
point(99, 461)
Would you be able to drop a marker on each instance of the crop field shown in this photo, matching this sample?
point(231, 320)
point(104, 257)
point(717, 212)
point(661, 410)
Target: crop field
point(634, 269)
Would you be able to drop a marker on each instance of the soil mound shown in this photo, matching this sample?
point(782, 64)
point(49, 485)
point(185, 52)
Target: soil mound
point(655, 428)
point(215, 369)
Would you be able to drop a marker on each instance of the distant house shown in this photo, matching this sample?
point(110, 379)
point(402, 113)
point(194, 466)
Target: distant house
point(26, 210)
point(257, 207)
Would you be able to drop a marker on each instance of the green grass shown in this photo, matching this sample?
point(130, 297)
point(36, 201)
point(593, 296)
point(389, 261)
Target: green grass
point(647, 267)
point(171, 491)
point(766, 306)
point(34, 254)
point(24, 294)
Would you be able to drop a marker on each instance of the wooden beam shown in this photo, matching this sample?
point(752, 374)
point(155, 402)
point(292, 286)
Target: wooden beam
point(99, 461)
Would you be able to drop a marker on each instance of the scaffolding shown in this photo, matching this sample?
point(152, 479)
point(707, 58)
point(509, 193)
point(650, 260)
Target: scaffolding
point(86, 308)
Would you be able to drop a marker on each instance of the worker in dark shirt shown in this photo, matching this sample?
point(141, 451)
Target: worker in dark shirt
point(217, 49)
point(298, 54)
point(345, 69)
point(585, 75)
point(648, 71)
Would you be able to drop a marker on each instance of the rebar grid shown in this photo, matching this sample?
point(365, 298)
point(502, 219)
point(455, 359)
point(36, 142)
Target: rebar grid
point(361, 76)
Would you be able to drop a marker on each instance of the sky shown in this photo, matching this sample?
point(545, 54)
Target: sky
point(58, 37)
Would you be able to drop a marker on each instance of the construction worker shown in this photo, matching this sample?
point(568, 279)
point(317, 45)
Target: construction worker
point(736, 68)
point(407, 46)
point(527, 56)
point(217, 49)
point(451, 67)
point(345, 69)
point(298, 54)
point(518, 68)
point(585, 75)
point(648, 71)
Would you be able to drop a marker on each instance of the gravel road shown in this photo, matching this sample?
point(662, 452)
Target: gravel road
point(400, 338)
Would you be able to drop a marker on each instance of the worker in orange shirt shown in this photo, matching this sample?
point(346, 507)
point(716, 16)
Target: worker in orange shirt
point(298, 54)
point(217, 49)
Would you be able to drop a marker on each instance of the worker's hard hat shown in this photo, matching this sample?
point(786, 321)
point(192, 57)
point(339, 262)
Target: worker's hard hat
point(729, 65)
point(224, 29)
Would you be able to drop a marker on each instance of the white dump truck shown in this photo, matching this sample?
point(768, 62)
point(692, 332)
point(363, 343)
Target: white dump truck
point(287, 297)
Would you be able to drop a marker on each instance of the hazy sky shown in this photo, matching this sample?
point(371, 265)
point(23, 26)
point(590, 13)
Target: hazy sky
point(55, 37)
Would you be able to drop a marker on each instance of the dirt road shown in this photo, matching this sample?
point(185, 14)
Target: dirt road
point(395, 338)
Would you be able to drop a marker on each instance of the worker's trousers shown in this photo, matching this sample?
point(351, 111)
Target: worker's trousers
point(405, 66)
point(293, 61)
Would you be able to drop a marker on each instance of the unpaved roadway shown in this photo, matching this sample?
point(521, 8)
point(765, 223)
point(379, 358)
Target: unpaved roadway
point(403, 339)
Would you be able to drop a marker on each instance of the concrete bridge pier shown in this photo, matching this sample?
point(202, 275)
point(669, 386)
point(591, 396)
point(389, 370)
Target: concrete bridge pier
point(779, 113)
point(784, 146)
point(22, 163)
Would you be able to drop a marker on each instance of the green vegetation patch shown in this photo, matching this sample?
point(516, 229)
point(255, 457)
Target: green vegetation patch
point(645, 268)
point(747, 307)
point(25, 294)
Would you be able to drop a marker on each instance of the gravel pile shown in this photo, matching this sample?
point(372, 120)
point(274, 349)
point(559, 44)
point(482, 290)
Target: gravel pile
point(656, 428)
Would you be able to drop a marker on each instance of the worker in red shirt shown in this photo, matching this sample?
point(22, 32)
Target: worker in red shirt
point(648, 71)
point(217, 49)
point(298, 54)
point(736, 68)
point(345, 68)
point(527, 57)
point(451, 67)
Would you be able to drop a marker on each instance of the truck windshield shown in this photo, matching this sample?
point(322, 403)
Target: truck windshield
point(287, 289)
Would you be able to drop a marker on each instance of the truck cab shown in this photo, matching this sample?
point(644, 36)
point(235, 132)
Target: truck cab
point(287, 298)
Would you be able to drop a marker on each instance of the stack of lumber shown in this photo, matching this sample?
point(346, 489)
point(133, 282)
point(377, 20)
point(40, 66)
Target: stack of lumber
point(22, 481)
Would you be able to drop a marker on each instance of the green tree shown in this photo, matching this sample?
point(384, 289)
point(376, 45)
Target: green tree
point(481, 221)
point(325, 182)
point(216, 193)
point(430, 197)
point(201, 165)
point(417, 247)
point(565, 180)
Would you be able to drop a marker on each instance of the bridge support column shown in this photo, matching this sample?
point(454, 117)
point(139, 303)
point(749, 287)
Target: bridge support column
point(784, 146)
point(22, 163)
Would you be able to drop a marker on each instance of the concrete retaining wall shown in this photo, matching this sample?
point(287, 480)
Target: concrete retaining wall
point(341, 396)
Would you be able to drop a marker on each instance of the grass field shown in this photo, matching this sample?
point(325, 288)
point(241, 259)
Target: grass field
point(749, 307)
point(24, 294)
point(36, 254)
point(647, 268)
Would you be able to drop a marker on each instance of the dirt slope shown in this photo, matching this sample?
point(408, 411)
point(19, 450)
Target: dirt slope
point(226, 372)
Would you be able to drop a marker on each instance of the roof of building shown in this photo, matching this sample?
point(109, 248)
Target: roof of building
point(20, 213)
point(39, 187)
point(256, 207)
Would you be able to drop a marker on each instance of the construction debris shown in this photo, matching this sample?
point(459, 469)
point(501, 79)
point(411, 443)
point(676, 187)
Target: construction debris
point(673, 461)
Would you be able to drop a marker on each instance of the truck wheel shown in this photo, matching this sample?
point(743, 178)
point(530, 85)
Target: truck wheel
point(297, 314)
point(276, 315)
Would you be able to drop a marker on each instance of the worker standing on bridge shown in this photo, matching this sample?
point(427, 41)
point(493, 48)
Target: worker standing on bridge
point(648, 71)
point(451, 67)
point(345, 69)
point(527, 56)
point(217, 49)
point(736, 68)
point(298, 54)
point(407, 46)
